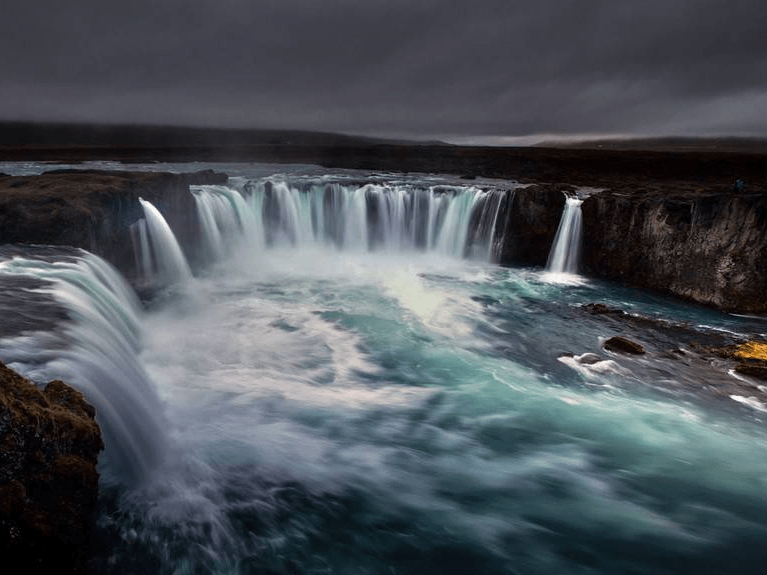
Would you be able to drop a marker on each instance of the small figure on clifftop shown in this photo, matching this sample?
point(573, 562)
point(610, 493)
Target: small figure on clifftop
point(739, 186)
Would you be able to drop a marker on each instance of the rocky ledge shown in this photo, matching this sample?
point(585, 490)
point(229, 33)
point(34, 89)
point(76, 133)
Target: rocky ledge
point(49, 447)
point(708, 245)
point(93, 209)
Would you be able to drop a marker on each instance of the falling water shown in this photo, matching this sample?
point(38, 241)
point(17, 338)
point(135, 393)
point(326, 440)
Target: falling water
point(227, 220)
point(565, 251)
point(95, 349)
point(446, 220)
point(142, 250)
point(171, 266)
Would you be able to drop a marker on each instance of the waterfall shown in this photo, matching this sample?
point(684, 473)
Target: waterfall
point(564, 254)
point(142, 250)
point(170, 265)
point(95, 349)
point(450, 221)
point(226, 220)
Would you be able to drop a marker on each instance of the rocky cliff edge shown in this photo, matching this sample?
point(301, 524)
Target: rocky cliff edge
point(709, 246)
point(49, 447)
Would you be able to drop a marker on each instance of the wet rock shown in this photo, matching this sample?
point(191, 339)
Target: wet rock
point(602, 309)
point(757, 370)
point(662, 332)
point(751, 357)
point(620, 344)
point(49, 447)
point(530, 223)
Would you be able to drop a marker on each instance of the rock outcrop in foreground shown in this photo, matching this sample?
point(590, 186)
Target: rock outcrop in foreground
point(49, 447)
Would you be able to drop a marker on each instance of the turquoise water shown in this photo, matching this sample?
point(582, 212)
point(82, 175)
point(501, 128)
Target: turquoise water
point(319, 409)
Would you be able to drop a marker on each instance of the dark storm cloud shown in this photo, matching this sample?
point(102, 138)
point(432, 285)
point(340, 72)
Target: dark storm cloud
point(392, 66)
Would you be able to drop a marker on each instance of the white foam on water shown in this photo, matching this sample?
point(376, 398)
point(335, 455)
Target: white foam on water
point(594, 369)
point(750, 401)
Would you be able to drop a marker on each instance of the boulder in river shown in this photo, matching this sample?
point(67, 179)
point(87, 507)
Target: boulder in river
point(620, 344)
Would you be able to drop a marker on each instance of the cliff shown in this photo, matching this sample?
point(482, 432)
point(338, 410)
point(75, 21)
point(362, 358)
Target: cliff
point(49, 446)
point(707, 246)
point(93, 209)
point(531, 220)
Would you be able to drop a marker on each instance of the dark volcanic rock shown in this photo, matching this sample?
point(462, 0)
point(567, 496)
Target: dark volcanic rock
point(602, 309)
point(49, 446)
point(93, 209)
point(531, 223)
point(756, 370)
point(622, 345)
point(709, 247)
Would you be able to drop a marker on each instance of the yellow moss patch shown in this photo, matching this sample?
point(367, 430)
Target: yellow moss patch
point(752, 350)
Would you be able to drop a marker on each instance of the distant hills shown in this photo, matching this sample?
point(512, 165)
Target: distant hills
point(62, 136)
point(66, 135)
point(613, 163)
point(742, 145)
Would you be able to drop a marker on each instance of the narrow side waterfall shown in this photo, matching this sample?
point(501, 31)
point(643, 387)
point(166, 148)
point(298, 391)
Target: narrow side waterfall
point(95, 348)
point(170, 265)
point(565, 251)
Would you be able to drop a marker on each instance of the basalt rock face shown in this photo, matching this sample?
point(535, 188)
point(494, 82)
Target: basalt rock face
point(94, 209)
point(49, 447)
point(709, 247)
point(530, 224)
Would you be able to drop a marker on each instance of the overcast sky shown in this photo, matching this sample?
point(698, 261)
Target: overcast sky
point(417, 68)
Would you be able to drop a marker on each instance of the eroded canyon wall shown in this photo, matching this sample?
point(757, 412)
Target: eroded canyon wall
point(709, 247)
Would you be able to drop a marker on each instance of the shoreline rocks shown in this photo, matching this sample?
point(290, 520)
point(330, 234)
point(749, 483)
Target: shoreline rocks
point(49, 448)
point(751, 358)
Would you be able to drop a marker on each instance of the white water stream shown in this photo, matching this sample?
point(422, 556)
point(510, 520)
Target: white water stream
point(565, 251)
